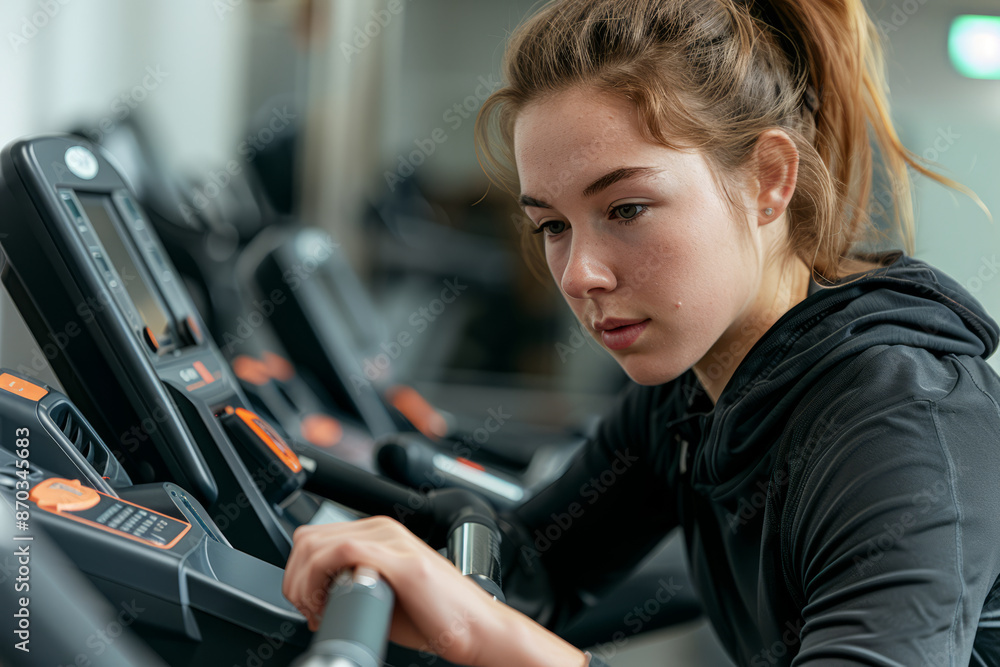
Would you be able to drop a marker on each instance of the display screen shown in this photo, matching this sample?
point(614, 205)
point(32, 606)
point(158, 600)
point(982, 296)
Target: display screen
point(98, 210)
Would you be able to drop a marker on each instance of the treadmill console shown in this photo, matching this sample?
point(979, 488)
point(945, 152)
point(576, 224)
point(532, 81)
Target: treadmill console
point(85, 268)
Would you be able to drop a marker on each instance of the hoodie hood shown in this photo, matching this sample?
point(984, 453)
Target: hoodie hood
point(906, 302)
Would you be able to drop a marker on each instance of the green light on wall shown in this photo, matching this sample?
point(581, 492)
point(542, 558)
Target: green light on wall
point(974, 46)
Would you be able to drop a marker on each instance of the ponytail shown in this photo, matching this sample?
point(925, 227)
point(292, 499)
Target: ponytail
point(842, 55)
point(715, 75)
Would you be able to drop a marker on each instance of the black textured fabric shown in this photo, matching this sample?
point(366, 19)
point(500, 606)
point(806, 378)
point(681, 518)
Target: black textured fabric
point(840, 502)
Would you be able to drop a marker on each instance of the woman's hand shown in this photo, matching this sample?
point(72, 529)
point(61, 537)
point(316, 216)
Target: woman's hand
point(437, 609)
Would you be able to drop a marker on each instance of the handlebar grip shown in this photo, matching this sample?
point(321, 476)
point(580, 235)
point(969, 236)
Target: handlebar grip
point(355, 626)
point(474, 548)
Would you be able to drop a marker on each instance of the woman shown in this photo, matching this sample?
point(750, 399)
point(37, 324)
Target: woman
point(821, 422)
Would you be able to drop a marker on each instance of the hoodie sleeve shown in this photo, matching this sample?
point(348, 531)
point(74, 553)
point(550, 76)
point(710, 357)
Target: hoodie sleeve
point(609, 509)
point(893, 540)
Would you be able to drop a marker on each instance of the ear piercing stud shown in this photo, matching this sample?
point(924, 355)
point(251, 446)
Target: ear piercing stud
point(769, 212)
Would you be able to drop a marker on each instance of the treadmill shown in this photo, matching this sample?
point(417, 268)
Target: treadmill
point(84, 267)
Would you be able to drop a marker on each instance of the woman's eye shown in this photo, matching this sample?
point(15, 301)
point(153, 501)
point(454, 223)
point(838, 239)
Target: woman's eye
point(551, 228)
point(628, 211)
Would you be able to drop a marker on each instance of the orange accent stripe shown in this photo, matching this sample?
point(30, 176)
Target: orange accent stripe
point(195, 385)
point(272, 439)
point(471, 464)
point(194, 329)
point(23, 388)
point(203, 372)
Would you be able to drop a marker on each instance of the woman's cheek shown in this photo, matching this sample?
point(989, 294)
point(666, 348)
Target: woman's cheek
point(555, 257)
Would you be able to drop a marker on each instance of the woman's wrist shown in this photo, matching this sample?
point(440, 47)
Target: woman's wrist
point(522, 641)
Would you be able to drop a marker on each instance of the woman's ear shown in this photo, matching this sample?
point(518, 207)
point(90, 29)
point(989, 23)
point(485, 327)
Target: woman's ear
point(777, 162)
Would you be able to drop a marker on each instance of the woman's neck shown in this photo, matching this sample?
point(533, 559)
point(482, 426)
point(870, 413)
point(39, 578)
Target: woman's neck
point(780, 290)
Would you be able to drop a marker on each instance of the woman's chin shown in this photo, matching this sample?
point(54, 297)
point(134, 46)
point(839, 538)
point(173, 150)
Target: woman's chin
point(646, 372)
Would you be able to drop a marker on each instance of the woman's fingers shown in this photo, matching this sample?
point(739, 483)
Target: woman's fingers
point(320, 552)
point(436, 608)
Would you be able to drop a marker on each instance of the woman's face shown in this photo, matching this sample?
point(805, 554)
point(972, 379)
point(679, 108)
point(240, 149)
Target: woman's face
point(637, 236)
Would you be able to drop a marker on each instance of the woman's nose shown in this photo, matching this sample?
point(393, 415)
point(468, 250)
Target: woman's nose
point(588, 269)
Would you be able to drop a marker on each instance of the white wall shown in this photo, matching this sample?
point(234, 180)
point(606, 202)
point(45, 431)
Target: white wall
point(956, 122)
point(180, 63)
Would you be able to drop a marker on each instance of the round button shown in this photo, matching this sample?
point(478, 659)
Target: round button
point(63, 495)
point(81, 162)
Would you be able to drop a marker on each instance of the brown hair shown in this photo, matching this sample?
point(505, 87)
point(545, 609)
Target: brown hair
point(716, 74)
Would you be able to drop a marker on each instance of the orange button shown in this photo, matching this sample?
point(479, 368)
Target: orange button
point(321, 430)
point(16, 385)
point(63, 495)
point(415, 407)
point(270, 437)
point(151, 341)
point(251, 370)
point(278, 367)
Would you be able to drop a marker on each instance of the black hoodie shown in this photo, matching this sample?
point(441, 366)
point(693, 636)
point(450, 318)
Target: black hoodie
point(840, 502)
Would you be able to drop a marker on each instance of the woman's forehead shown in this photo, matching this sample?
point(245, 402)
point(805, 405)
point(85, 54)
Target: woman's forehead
point(577, 136)
point(576, 114)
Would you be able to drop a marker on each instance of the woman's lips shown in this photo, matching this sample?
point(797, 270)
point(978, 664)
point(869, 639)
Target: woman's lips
point(623, 337)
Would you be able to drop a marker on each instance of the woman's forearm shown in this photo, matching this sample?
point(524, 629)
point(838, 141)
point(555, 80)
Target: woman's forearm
point(521, 641)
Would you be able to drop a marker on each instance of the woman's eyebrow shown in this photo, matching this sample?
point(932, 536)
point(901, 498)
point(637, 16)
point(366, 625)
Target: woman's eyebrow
point(526, 201)
point(612, 177)
point(602, 183)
